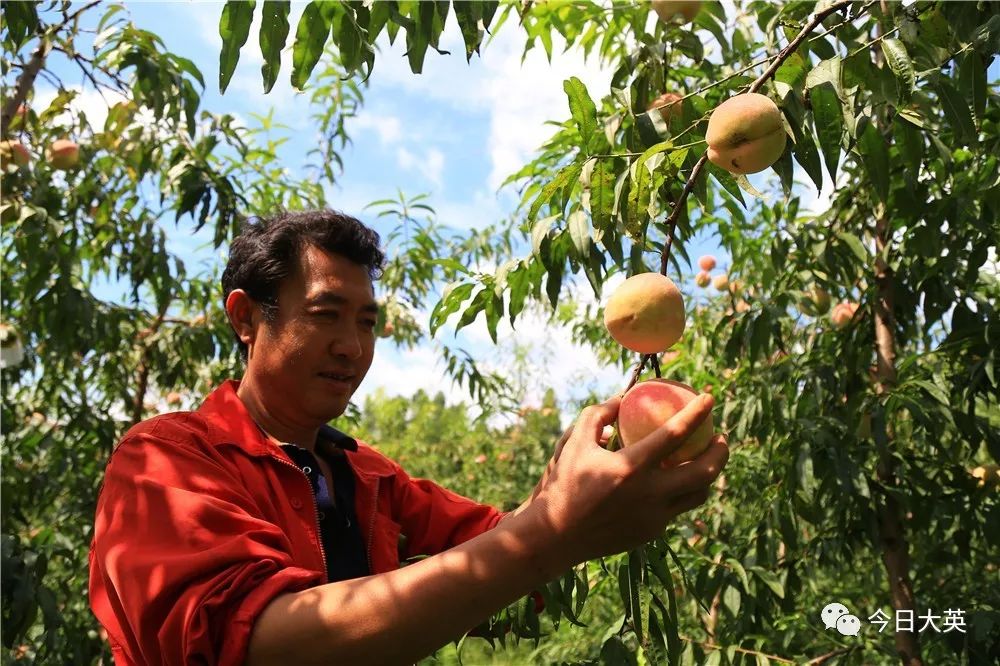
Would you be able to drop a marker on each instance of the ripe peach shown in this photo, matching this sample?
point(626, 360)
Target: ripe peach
point(745, 134)
point(645, 313)
point(650, 404)
point(63, 154)
point(667, 10)
point(14, 151)
point(706, 263)
point(843, 313)
point(702, 279)
point(721, 282)
point(673, 108)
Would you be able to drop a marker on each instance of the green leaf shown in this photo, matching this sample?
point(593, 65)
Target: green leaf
point(273, 34)
point(21, 21)
point(567, 175)
point(449, 304)
point(792, 71)
point(956, 111)
point(554, 282)
point(829, 125)
point(540, 231)
point(935, 29)
point(476, 306)
point(745, 185)
point(899, 63)
point(770, 579)
point(737, 568)
point(234, 28)
point(855, 244)
point(910, 143)
point(827, 71)
point(806, 154)
point(519, 282)
point(472, 20)
point(579, 232)
point(727, 181)
point(972, 79)
point(310, 39)
point(583, 110)
point(875, 157)
point(494, 310)
point(352, 41)
point(602, 193)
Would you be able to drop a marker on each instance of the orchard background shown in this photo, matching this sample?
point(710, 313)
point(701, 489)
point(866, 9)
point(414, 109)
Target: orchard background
point(861, 453)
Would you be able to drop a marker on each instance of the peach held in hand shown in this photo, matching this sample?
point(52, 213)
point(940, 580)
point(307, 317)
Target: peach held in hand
point(745, 134)
point(650, 404)
point(646, 313)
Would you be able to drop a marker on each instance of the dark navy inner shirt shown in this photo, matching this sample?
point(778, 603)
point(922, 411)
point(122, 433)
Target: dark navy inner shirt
point(343, 544)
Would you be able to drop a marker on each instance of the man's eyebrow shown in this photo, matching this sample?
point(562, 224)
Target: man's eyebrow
point(332, 298)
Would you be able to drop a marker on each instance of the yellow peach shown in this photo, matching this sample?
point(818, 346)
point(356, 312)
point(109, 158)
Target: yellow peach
point(645, 313)
point(745, 134)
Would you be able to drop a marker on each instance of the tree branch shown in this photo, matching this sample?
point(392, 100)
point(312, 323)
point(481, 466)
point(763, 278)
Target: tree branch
point(30, 72)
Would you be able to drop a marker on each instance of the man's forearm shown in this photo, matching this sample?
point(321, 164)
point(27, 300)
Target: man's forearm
point(402, 616)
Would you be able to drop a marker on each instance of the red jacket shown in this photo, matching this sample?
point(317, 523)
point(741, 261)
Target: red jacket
point(202, 521)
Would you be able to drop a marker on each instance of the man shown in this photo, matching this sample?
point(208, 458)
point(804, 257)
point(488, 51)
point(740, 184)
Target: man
point(249, 531)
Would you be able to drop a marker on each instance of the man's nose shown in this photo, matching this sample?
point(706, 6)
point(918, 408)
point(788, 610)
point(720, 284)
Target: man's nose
point(347, 343)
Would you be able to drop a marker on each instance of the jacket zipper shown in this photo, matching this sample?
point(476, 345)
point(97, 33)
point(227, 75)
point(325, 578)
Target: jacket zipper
point(319, 533)
point(371, 527)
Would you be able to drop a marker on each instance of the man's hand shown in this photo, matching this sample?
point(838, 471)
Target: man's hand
point(595, 502)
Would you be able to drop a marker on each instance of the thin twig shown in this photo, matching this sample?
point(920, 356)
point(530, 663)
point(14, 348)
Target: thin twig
point(823, 658)
point(713, 646)
point(793, 45)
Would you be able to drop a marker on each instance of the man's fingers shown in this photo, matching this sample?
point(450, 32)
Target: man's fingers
point(690, 501)
point(700, 473)
point(663, 441)
point(606, 434)
point(592, 420)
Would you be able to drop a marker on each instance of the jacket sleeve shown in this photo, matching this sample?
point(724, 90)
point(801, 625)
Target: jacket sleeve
point(435, 519)
point(181, 561)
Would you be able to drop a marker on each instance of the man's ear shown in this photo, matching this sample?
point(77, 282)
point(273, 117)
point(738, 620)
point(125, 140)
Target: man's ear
point(240, 309)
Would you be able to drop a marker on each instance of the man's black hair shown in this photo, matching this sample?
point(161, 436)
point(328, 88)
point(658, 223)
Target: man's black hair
point(268, 250)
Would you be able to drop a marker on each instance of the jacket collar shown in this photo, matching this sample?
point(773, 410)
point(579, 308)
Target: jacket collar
point(229, 422)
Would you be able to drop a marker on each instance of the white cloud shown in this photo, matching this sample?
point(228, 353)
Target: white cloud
point(387, 127)
point(430, 165)
point(519, 97)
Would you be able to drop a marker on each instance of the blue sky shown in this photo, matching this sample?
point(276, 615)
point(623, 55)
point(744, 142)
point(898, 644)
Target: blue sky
point(454, 132)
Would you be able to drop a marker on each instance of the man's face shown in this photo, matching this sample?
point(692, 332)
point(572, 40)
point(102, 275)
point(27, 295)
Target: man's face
point(312, 359)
